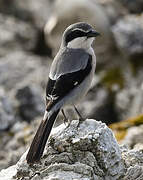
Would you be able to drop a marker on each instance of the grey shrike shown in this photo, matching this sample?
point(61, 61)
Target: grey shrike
point(69, 80)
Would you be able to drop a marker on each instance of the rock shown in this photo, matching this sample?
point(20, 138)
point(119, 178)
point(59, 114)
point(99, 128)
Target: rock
point(134, 137)
point(13, 143)
point(30, 102)
point(39, 10)
point(89, 151)
point(114, 9)
point(11, 172)
point(133, 6)
point(22, 68)
point(15, 35)
point(128, 33)
point(128, 102)
point(99, 104)
point(123, 101)
point(137, 102)
point(7, 114)
point(121, 128)
point(33, 11)
point(22, 77)
point(134, 164)
point(75, 11)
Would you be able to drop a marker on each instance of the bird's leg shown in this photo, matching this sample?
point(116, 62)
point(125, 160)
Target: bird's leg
point(65, 118)
point(79, 115)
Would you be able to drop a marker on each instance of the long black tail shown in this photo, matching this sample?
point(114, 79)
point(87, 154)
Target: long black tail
point(38, 144)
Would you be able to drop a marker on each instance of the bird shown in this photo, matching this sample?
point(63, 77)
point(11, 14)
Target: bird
point(70, 77)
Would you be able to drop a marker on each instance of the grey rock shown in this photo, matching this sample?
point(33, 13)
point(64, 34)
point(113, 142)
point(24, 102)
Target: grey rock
point(99, 104)
point(128, 33)
point(13, 144)
point(11, 172)
point(133, 138)
point(15, 34)
point(123, 101)
point(114, 9)
point(39, 10)
point(89, 151)
point(20, 68)
point(135, 172)
point(133, 6)
point(128, 101)
point(30, 102)
point(7, 115)
point(134, 163)
point(33, 11)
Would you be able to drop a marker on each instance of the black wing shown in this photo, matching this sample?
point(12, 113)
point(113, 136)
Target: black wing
point(57, 89)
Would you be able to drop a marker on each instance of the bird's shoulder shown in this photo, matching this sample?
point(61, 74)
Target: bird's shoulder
point(68, 61)
point(71, 54)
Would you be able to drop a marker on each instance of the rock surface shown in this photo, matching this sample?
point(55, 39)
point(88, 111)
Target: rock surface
point(12, 38)
point(33, 11)
point(133, 6)
point(100, 103)
point(22, 76)
point(85, 151)
point(128, 33)
point(133, 138)
point(30, 102)
point(7, 115)
point(134, 164)
point(18, 68)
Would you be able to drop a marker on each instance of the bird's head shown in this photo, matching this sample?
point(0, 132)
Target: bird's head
point(79, 35)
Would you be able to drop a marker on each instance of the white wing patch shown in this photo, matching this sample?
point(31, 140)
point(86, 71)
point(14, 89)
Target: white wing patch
point(51, 97)
point(55, 77)
point(75, 83)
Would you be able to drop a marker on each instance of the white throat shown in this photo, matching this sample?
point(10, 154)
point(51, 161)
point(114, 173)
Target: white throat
point(81, 42)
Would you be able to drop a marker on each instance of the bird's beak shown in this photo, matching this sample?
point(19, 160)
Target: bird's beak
point(93, 33)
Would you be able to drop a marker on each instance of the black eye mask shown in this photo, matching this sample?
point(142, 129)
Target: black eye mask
point(75, 34)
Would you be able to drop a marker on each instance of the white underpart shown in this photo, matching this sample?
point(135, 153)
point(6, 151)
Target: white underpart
point(81, 42)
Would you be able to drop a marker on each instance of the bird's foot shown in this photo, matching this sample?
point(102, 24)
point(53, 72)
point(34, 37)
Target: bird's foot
point(66, 121)
point(81, 119)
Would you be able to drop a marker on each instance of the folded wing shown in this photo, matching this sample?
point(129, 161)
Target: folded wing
point(66, 82)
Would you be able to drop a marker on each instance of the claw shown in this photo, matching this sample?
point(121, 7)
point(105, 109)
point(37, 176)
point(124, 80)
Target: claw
point(65, 118)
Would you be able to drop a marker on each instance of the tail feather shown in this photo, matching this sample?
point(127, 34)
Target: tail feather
point(38, 144)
